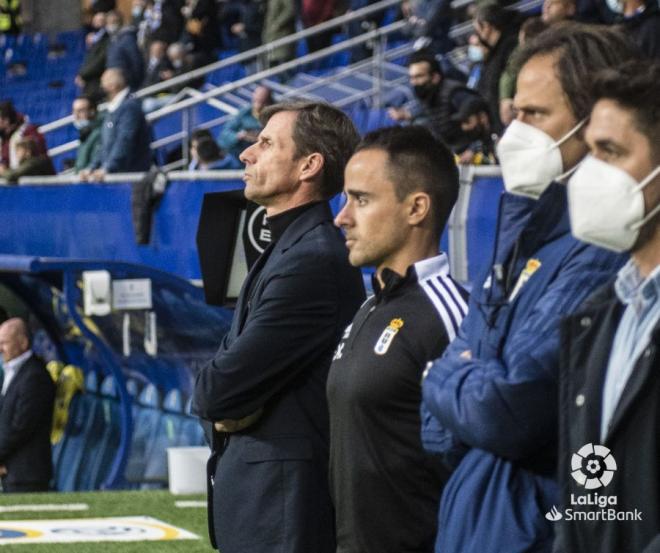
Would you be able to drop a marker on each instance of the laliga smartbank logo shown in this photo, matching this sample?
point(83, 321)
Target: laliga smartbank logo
point(592, 467)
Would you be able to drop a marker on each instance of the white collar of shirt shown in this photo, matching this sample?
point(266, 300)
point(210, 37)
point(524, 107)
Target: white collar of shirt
point(12, 367)
point(431, 266)
point(114, 104)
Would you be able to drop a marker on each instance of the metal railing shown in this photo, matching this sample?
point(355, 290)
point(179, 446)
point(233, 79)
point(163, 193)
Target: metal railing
point(244, 56)
point(197, 97)
point(190, 97)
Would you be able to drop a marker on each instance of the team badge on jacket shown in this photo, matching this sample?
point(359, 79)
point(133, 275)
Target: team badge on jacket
point(532, 266)
point(383, 343)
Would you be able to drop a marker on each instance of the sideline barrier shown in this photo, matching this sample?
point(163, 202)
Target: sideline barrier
point(61, 218)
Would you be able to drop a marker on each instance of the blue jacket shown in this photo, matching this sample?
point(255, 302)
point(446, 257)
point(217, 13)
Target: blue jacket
point(125, 139)
point(124, 53)
point(242, 121)
point(494, 415)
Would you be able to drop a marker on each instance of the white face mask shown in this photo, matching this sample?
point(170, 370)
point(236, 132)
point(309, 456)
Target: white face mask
point(81, 124)
point(530, 159)
point(606, 205)
point(475, 53)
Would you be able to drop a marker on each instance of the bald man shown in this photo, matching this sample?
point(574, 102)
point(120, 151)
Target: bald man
point(26, 413)
point(125, 134)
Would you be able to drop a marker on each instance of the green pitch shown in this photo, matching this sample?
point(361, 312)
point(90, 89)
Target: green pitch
point(157, 504)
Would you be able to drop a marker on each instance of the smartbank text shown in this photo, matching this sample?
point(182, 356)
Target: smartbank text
point(603, 514)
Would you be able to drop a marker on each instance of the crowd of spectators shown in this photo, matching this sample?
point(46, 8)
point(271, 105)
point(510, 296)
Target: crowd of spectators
point(467, 104)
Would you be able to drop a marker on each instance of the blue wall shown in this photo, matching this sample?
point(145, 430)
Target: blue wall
point(94, 222)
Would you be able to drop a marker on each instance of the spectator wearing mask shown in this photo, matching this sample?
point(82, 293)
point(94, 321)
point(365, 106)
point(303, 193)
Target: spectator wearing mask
point(478, 137)
point(242, 129)
point(497, 30)
point(212, 158)
point(89, 125)
point(93, 65)
point(400, 187)
point(177, 62)
point(31, 162)
point(437, 99)
point(123, 51)
point(15, 126)
point(26, 413)
point(490, 403)
point(157, 63)
point(609, 379)
point(125, 135)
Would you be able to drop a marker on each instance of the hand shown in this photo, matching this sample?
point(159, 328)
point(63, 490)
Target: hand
point(467, 354)
point(399, 114)
point(238, 28)
point(3, 470)
point(231, 425)
point(466, 157)
point(98, 175)
point(80, 82)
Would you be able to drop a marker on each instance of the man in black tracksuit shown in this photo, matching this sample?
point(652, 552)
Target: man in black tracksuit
point(401, 186)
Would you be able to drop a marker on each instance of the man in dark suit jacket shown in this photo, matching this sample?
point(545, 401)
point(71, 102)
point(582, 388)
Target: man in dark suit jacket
point(265, 388)
point(125, 135)
point(26, 413)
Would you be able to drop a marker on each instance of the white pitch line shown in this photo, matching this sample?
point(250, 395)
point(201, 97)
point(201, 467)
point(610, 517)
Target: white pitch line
point(45, 507)
point(189, 504)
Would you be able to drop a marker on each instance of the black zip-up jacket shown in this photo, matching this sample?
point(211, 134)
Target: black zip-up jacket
point(633, 437)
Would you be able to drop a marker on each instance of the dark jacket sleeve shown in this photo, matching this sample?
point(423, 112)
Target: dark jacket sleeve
point(508, 405)
point(288, 332)
point(32, 400)
point(94, 61)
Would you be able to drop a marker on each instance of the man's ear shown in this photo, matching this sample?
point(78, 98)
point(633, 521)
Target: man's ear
point(419, 207)
point(311, 167)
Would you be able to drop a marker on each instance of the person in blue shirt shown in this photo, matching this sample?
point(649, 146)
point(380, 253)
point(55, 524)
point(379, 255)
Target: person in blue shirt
point(490, 403)
point(241, 131)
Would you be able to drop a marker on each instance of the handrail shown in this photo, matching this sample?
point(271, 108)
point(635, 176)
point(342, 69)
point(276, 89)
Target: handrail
point(223, 175)
point(281, 68)
point(202, 97)
point(122, 178)
point(238, 58)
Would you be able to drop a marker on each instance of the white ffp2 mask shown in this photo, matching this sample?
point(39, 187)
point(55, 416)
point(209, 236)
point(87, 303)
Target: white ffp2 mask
point(530, 159)
point(606, 205)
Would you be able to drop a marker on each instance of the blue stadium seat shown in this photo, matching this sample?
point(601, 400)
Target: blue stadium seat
point(167, 435)
point(102, 441)
point(146, 418)
point(84, 412)
point(191, 433)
